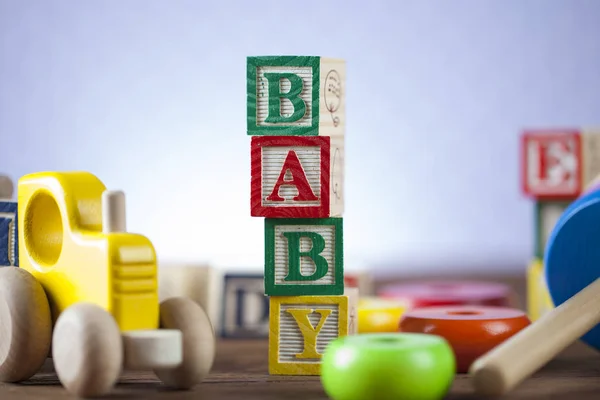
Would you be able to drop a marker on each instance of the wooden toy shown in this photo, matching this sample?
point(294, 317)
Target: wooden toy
point(198, 347)
point(297, 177)
point(445, 293)
point(97, 283)
point(377, 315)
point(538, 298)
point(304, 257)
point(245, 306)
point(9, 233)
point(300, 329)
point(199, 282)
point(388, 366)
point(296, 95)
point(25, 325)
point(559, 163)
point(572, 275)
point(7, 187)
point(361, 280)
point(353, 295)
point(471, 331)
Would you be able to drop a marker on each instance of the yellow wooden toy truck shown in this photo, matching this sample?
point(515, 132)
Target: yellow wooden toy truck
point(85, 293)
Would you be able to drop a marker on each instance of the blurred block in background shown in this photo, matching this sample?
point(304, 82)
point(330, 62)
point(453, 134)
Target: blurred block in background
point(546, 214)
point(245, 311)
point(538, 297)
point(558, 164)
point(201, 283)
point(362, 280)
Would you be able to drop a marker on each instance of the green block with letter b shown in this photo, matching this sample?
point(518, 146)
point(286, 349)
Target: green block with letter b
point(296, 96)
point(304, 257)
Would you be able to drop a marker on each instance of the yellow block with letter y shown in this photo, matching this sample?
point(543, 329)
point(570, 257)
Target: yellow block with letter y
point(300, 329)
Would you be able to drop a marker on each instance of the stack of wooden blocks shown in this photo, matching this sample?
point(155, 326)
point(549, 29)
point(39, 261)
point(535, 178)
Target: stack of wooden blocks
point(557, 167)
point(296, 117)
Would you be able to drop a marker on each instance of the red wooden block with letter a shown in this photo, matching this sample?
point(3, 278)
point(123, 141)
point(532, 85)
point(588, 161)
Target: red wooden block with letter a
point(296, 176)
point(552, 164)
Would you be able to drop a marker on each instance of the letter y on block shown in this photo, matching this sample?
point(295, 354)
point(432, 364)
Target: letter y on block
point(299, 330)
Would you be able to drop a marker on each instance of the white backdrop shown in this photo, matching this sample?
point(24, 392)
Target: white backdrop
point(150, 96)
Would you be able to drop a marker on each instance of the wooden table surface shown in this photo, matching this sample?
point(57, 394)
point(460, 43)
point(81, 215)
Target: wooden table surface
point(240, 372)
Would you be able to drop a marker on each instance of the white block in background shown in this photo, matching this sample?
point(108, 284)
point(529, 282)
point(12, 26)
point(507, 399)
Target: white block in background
point(199, 282)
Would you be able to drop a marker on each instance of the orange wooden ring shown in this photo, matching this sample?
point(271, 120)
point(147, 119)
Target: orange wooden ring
point(471, 330)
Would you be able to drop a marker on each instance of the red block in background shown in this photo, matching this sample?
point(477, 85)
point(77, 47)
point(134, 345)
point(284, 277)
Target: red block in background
point(552, 164)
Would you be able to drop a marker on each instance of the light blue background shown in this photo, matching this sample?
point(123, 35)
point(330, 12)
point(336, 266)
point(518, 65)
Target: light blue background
point(150, 96)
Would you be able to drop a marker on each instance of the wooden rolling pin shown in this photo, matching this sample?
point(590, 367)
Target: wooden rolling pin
point(507, 365)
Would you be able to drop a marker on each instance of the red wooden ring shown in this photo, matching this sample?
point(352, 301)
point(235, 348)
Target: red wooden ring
point(430, 294)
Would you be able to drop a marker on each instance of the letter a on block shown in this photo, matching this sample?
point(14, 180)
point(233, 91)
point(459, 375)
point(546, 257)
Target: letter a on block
point(304, 257)
point(292, 177)
point(299, 180)
point(299, 330)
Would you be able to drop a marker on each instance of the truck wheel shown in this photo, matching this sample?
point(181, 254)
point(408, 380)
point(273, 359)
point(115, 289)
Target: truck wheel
point(25, 325)
point(87, 350)
point(198, 342)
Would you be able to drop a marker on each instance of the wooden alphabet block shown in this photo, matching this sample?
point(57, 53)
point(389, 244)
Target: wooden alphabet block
point(296, 96)
point(245, 306)
point(301, 328)
point(546, 216)
point(9, 243)
point(539, 301)
point(361, 280)
point(199, 282)
point(304, 257)
point(297, 177)
point(559, 163)
point(353, 295)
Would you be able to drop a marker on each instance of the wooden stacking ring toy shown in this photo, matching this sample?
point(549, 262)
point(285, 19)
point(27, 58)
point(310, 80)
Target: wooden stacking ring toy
point(471, 331)
point(430, 294)
point(388, 366)
point(572, 267)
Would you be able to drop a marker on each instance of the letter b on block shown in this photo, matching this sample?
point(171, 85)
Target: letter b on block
point(304, 257)
point(296, 96)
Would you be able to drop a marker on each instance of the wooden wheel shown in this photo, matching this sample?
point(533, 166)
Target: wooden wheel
point(198, 342)
point(87, 350)
point(25, 325)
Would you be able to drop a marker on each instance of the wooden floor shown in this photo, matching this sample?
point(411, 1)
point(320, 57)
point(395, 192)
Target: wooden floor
point(240, 372)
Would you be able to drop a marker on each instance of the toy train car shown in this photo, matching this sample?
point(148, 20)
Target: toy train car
point(87, 289)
